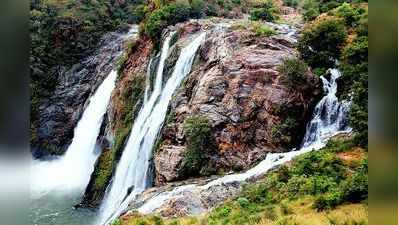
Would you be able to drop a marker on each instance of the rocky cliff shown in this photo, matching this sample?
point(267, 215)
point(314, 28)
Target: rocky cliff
point(247, 107)
point(235, 84)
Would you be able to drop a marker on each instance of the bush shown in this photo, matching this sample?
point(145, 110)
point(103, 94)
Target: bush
point(294, 71)
point(267, 11)
point(328, 201)
point(291, 3)
point(350, 14)
point(356, 52)
point(355, 188)
point(257, 193)
point(165, 16)
point(310, 10)
point(262, 30)
point(322, 41)
point(199, 139)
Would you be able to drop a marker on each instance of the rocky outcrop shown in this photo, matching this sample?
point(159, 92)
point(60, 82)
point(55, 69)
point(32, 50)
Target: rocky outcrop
point(125, 103)
point(236, 85)
point(59, 114)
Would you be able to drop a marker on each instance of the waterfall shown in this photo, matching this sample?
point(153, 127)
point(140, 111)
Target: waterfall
point(329, 114)
point(131, 177)
point(328, 119)
point(71, 172)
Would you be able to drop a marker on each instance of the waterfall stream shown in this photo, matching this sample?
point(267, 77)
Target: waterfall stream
point(131, 177)
point(58, 184)
point(328, 119)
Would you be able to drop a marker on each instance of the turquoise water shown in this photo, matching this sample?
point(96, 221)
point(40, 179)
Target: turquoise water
point(55, 209)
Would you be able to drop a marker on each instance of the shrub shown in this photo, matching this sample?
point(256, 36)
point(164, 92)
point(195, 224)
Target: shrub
point(165, 16)
point(357, 51)
point(117, 222)
point(262, 30)
point(322, 41)
point(350, 14)
point(355, 188)
point(291, 3)
point(310, 10)
point(319, 163)
point(243, 202)
point(266, 11)
point(199, 139)
point(294, 71)
point(257, 193)
point(328, 201)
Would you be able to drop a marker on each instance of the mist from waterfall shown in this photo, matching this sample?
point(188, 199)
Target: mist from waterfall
point(329, 118)
point(72, 171)
point(132, 173)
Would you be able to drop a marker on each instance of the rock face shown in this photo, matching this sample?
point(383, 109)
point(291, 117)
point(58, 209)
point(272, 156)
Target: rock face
point(236, 85)
point(59, 115)
point(125, 103)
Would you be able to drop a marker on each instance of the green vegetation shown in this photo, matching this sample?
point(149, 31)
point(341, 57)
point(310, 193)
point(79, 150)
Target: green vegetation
point(257, 27)
point(262, 30)
point(327, 180)
point(265, 11)
point(165, 16)
point(104, 172)
point(283, 132)
point(64, 32)
point(291, 3)
point(310, 10)
point(199, 141)
point(294, 69)
point(322, 41)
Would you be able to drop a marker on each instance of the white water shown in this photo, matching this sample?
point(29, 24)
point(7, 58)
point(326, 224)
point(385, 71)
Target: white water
point(72, 171)
point(132, 170)
point(327, 120)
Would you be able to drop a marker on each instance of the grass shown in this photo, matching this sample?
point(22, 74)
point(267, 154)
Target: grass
point(257, 27)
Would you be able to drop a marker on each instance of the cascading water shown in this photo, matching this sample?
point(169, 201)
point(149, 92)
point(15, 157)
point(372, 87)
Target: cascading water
point(329, 119)
point(64, 179)
point(131, 176)
point(72, 171)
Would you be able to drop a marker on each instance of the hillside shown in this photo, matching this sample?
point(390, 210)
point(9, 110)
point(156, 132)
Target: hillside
point(200, 112)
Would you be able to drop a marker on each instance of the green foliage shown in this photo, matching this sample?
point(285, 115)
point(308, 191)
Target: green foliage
point(328, 201)
point(350, 14)
point(165, 16)
point(266, 11)
point(283, 131)
point(291, 3)
point(310, 10)
point(117, 222)
point(294, 69)
point(355, 77)
point(262, 30)
point(355, 188)
point(62, 33)
point(103, 172)
point(199, 139)
point(322, 41)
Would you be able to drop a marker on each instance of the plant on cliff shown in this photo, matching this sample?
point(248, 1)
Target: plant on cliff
point(165, 16)
point(199, 139)
point(294, 70)
point(267, 11)
point(322, 41)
